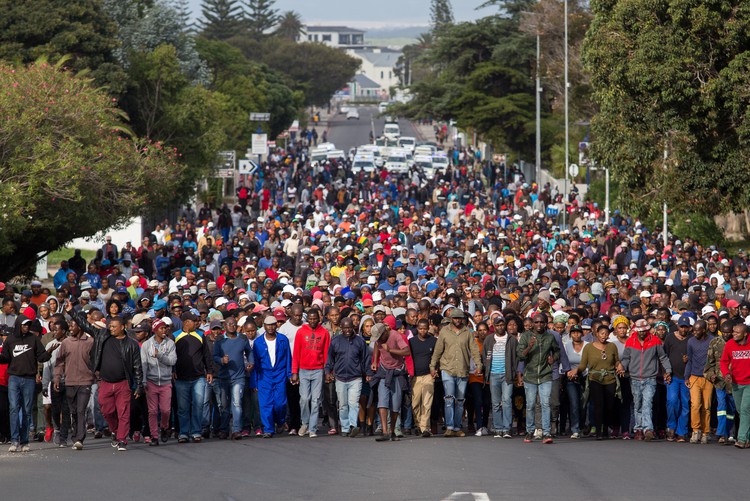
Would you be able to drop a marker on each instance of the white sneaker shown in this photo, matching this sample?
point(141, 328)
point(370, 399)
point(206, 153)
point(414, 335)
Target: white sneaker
point(478, 433)
point(731, 440)
point(25, 448)
point(13, 448)
point(78, 446)
point(302, 431)
point(313, 434)
point(575, 436)
point(537, 433)
point(695, 437)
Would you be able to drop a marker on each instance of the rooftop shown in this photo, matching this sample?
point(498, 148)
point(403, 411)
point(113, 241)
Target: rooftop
point(364, 82)
point(334, 29)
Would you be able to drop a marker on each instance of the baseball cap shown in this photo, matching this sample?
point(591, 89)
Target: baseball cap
point(188, 316)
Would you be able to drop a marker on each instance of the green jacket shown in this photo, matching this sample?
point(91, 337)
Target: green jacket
point(713, 359)
point(537, 369)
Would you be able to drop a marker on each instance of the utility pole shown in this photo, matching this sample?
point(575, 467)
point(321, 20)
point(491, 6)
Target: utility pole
point(538, 113)
point(606, 194)
point(567, 127)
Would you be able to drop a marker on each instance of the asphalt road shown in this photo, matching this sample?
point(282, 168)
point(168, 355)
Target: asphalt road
point(337, 468)
point(347, 134)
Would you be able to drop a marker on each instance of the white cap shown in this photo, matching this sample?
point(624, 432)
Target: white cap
point(377, 296)
point(221, 301)
point(645, 294)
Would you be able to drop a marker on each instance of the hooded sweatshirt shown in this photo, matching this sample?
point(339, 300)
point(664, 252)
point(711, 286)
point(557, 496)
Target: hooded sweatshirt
point(642, 361)
point(23, 352)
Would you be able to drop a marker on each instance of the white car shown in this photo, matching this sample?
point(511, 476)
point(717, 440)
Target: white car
point(319, 155)
point(396, 162)
point(424, 163)
point(326, 146)
point(425, 149)
point(440, 162)
point(352, 114)
point(392, 131)
point(365, 163)
point(372, 150)
point(382, 107)
point(336, 155)
point(407, 143)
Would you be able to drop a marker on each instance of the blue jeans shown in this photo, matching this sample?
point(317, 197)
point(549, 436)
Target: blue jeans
point(191, 398)
point(643, 400)
point(574, 390)
point(545, 392)
point(310, 391)
point(211, 412)
point(21, 399)
point(231, 393)
point(678, 406)
point(455, 393)
point(348, 396)
point(99, 422)
point(502, 411)
point(725, 410)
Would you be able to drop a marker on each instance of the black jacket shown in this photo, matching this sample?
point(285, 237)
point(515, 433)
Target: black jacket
point(23, 353)
point(131, 352)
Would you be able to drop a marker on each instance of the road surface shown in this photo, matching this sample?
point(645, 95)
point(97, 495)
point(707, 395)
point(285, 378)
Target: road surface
point(346, 134)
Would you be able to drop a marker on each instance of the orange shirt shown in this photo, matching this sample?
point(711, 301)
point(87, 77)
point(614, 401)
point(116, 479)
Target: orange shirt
point(473, 378)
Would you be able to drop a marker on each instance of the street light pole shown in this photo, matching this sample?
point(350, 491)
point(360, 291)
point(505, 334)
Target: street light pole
point(538, 115)
point(567, 139)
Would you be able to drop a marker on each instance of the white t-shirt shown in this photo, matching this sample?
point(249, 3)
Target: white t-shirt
point(290, 331)
point(272, 351)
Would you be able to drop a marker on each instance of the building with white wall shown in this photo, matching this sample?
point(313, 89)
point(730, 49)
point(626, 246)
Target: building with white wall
point(339, 37)
point(379, 65)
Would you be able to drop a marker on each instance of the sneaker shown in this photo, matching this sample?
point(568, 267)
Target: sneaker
point(147, 440)
point(547, 439)
point(198, 439)
point(354, 431)
point(236, 435)
point(98, 434)
point(182, 439)
point(537, 434)
point(258, 432)
point(395, 438)
point(313, 434)
point(722, 441)
point(638, 435)
point(25, 448)
point(448, 433)
point(478, 433)
point(78, 446)
point(626, 436)
point(680, 439)
point(383, 438)
point(113, 442)
point(164, 435)
point(528, 438)
point(292, 432)
point(398, 433)
point(695, 437)
point(507, 435)
point(379, 429)
point(154, 442)
point(730, 440)
point(137, 436)
point(426, 434)
point(246, 433)
point(56, 437)
point(670, 435)
point(122, 446)
point(704, 438)
point(13, 448)
point(575, 436)
point(63, 444)
point(302, 431)
point(48, 434)
point(498, 434)
point(459, 433)
point(649, 436)
point(267, 435)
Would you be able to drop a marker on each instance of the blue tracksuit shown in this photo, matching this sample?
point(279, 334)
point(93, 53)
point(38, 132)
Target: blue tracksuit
point(272, 380)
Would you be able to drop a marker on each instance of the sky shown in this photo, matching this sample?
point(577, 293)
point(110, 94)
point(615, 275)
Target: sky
point(368, 13)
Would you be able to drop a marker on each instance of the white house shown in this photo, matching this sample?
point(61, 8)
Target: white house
point(339, 37)
point(379, 66)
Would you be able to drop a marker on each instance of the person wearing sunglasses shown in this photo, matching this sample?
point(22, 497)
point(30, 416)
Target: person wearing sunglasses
point(601, 360)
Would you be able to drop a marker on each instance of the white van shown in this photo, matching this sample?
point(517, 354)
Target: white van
point(440, 162)
point(382, 107)
point(392, 131)
point(364, 163)
point(407, 143)
point(424, 163)
point(396, 162)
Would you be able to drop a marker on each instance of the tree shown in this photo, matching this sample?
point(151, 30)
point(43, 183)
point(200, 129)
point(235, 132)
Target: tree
point(80, 29)
point(261, 17)
point(290, 26)
point(441, 15)
point(68, 165)
point(671, 80)
point(222, 19)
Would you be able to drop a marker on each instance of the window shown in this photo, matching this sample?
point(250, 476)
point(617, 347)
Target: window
point(358, 39)
point(381, 75)
point(310, 38)
point(344, 39)
point(316, 38)
point(326, 38)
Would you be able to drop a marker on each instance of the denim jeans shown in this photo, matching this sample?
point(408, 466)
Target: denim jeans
point(211, 411)
point(231, 393)
point(348, 397)
point(310, 391)
point(574, 390)
point(725, 410)
point(545, 392)
point(643, 399)
point(502, 412)
point(678, 406)
point(21, 396)
point(191, 397)
point(455, 393)
point(95, 410)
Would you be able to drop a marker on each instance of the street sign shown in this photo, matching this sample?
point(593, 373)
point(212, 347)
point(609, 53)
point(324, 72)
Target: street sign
point(247, 167)
point(272, 144)
point(259, 144)
point(225, 173)
point(573, 170)
point(260, 117)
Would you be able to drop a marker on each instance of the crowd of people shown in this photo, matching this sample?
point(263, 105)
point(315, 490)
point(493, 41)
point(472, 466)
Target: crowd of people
point(378, 306)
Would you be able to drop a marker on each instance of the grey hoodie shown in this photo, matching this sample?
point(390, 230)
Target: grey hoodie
point(158, 369)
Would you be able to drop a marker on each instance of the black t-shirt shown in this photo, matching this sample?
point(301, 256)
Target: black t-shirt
point(675, 349)
point(421, 353)
point(112, 368)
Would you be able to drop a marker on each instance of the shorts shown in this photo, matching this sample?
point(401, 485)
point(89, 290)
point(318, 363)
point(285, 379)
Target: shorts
point(48, 399)
point(388, 399)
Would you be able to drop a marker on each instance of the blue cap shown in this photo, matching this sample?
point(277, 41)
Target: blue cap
point(685, 320)
point(397, 264)
point(586, 323)
point(432, 286)
point(421, 273)
point(349, 295)
point(160, 305)
point(121, 290)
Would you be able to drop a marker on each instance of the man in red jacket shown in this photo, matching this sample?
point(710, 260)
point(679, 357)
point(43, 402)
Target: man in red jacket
point(735, 367)
point(309, 358)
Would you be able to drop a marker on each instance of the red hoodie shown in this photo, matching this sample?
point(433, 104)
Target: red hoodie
point(310, 348)
point(738, 357)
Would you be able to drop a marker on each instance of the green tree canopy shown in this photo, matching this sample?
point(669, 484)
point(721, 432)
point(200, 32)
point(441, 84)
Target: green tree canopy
point(222, 19)
point(671, 80)
point(261, 17)
point(68, 166)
